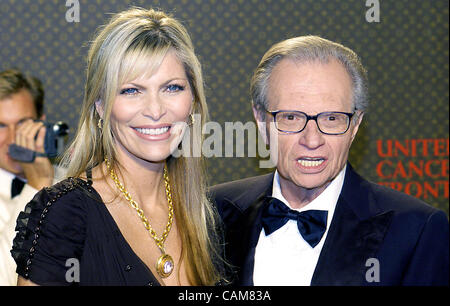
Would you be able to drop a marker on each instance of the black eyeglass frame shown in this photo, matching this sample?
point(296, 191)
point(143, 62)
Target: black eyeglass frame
point(308, 117)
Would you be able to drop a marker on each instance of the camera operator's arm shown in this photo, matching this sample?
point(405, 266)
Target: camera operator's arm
point(40, 172)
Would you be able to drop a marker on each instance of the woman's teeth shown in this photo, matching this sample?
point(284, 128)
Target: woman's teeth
point(157, 131)
point(310, 163)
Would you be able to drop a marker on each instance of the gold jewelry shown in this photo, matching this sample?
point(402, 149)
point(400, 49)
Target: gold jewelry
point(192, 119)
point(165, 264)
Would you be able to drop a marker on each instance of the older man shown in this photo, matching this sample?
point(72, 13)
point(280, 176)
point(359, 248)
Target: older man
point(315, 221)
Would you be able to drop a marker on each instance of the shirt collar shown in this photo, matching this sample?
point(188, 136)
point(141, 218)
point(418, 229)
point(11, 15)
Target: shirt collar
point(6, 179)
point(325, 201)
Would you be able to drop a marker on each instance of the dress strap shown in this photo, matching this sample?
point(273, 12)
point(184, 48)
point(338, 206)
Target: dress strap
point(89, 175)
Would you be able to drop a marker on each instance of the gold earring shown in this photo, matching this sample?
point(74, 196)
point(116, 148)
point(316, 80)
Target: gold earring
point(192, 119)
point(100, 123)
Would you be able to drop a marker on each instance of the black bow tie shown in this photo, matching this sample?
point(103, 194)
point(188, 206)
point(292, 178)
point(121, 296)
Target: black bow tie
point(311, 223)
point(16, 187)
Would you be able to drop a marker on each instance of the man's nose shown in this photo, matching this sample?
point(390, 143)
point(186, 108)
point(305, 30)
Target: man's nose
point(311, 137)
point(11, 134)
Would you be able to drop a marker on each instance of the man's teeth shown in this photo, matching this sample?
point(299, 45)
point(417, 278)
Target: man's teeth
point(158, 131)
point(310, 163)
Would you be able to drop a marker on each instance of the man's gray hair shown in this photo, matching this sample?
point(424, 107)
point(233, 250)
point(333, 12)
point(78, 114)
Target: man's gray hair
point(308, 49)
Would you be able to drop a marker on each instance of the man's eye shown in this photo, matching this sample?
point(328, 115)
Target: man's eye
point(129, 91)
point(174, 88)
point(289, 117)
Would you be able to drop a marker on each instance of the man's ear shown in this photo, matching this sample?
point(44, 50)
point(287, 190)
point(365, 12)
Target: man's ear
point(261, 122)
point(99, 108)
point(357, 124)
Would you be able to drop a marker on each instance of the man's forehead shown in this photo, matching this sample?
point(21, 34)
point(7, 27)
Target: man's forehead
point(292, 81)
point(17, 107)
point(309, 72)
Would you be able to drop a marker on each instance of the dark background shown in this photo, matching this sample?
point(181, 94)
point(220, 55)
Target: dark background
point(406, 54)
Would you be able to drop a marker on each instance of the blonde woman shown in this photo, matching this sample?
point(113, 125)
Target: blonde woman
point(129, 213)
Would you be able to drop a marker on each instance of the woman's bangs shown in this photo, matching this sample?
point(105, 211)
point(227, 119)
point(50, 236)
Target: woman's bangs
point(141, 63)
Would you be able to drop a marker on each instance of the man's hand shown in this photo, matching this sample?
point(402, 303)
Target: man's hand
point(39, 173)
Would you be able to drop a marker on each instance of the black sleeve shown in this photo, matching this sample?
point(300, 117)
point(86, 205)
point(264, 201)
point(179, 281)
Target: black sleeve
point(50, 234)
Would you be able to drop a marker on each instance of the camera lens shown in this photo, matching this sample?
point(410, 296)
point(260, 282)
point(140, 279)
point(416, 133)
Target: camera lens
point(60, 128)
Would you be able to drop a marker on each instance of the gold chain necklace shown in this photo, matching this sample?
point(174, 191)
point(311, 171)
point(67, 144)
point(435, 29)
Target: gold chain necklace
point(165, 264)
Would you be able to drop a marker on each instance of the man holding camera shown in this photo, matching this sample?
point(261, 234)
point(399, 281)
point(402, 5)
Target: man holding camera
point(21, 104)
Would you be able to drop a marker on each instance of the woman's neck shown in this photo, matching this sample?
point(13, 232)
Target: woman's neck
point(143, 180)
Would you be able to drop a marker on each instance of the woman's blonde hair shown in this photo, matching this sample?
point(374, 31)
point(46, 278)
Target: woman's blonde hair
point(132, 44)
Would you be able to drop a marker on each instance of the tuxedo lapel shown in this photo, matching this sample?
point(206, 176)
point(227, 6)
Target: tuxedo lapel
point(242, 217)
point(349, 244)
point(250, 236)
point(355, 235)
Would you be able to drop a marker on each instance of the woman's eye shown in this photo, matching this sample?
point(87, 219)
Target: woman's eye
point(174, 88)
point(129, 91)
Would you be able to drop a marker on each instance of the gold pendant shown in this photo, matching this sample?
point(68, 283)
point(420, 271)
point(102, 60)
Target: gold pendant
point(164, 265)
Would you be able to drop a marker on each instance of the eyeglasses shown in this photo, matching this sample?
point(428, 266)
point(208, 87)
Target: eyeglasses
point(329, 123)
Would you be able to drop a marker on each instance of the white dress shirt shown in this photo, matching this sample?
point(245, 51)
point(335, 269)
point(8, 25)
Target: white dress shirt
point(9, 211)
point(284, 258)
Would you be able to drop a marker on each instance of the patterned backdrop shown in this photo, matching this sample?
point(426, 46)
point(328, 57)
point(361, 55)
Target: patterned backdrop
point(403, 142)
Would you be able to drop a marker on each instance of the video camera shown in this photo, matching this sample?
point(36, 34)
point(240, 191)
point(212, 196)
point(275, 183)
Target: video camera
point(53, 143)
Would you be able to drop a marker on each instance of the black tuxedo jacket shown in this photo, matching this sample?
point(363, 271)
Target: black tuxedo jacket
point(408, 239)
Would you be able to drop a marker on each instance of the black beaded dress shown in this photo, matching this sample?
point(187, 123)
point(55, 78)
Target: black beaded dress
point(67, 227)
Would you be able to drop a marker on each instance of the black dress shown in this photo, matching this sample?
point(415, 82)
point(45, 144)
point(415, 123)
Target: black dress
point(67, 227)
